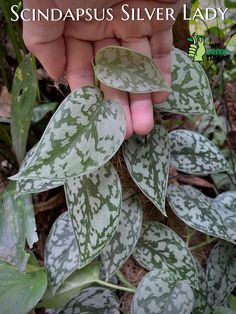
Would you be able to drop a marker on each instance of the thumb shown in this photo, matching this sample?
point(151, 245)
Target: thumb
point(44, 38)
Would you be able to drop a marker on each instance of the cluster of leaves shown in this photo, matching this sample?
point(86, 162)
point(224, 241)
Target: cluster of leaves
point(103, 228)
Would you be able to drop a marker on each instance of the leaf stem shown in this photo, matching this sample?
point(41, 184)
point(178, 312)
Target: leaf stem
point(112, 286)
point(124, 281)
point(202, 244)
point(36, 78)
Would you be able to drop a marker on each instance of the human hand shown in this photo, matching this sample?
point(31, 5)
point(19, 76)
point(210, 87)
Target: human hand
point(67, 47)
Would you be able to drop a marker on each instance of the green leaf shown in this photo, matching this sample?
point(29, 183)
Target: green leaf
point(191, 91)
point(83, 134)
point(16, 223)
point(199, 211)
point(232, 302)
point(161, 248)
point(220, 274)
point(147, 159)
point(128, 70)
point(94, 203)
point(193, 153)
point(61, 252)
point(223, 310)
point(23, 100)
point(124, 240)
point(78, 281)
point(159, 293)
point(19, 293)
point(40, 111)
point(92, 300)
point(230, 4)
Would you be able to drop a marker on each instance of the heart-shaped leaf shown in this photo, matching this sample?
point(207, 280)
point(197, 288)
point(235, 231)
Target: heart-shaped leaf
point(70, 288)
point(23, 100)
point(61, 252)
point(128, 70)
point(220, 274)
point(199, 212)
point(19, 293)
point(147, 159)
point(191, 91)
point(161, 248)
point(193, 153)
point(123, 242)
point(83, 134)
point(159, 293)
point(17, 223)
point(94, 203)
point(92, 301)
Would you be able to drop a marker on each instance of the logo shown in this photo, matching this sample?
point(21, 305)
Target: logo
point(198, 50)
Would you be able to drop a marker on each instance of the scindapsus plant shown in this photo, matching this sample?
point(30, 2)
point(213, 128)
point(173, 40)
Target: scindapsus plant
point(89, 243)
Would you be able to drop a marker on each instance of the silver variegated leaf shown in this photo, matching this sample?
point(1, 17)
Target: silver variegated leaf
point(191, 91)
point(94, 203)
point(29, 186)
point(92, 300)
point(128, 70)
point(161, 248)
point(193, 153)
point(199, 211)
point(40, 111)
point(61, 252)
point(201, 305)
point(160, 293)
point(147, 159)
point(123, 242)
point(83, 134)
point(220, 273)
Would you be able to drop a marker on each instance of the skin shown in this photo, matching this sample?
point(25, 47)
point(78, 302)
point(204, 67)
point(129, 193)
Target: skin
point(67, 48)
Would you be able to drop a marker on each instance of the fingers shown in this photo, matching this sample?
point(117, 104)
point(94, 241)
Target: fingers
point(140, 104)
point(161, 47)
point(44, 39)
point(114, 94)
point(79, 70)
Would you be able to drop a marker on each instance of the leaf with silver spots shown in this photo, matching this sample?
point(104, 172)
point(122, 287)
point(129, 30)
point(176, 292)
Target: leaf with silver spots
point(123, 242)
point(193, 153)
point(128, 70)
point(94, 203)
point(147, 160)
point(161, 248)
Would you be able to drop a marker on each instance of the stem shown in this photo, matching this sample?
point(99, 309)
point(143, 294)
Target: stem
point(201, 245)
point(110, 285)
point(124, 281)
point(188, 235)
point(36, 79)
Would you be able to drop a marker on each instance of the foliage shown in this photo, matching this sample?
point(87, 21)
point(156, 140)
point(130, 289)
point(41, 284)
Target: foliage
point(100, 229)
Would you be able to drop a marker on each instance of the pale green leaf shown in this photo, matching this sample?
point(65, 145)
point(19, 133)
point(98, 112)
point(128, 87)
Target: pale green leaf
point(78, 281)
point(19, 293)
point(12, 231)
point(61, 252)
point(94, 203)
point(220, 274)
point(40, 111)
point(223, 310)
point(160, 293)
point(161, 248)
point(92, 300)
point(199, 211)
point(193, 153)
point(29, 220)
point(191, 91)
point(123, 242)
point(128, 70)
point(232, 302)
point(147, 159)
point(83, 134)
point(23, 100)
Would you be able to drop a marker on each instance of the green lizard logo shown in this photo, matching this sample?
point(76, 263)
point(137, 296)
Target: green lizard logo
point(197, 49)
